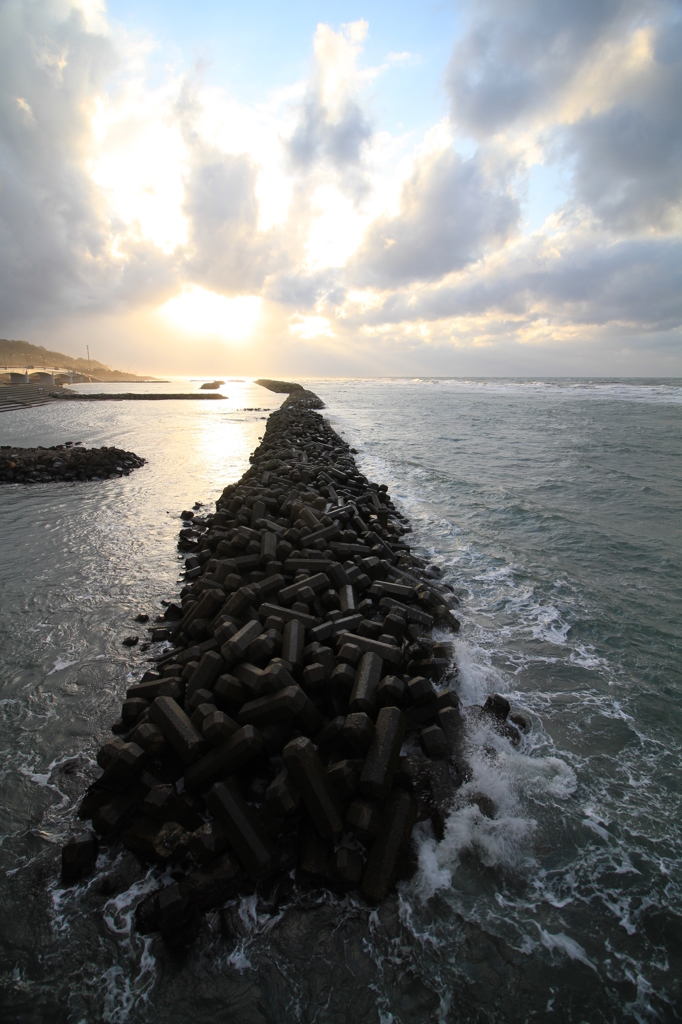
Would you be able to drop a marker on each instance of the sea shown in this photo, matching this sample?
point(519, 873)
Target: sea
point(553, 508)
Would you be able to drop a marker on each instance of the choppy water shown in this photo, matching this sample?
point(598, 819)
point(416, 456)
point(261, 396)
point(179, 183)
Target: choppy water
point(555, 509)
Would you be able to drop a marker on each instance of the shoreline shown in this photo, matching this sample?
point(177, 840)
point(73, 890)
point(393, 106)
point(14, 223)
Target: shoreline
point(306, 717)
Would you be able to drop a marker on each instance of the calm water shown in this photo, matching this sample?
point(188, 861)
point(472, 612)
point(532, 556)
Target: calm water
point(555, 509)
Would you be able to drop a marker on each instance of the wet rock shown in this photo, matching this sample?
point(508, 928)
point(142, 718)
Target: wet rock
point(171, 840)
point(363, 819)
point(64, 462)
point(395, 830)
point(368, 674)
point(346, 866)
point(245, 833)
point(382, 757)
point(215, 883)
point(521, 721)
point(177, 728)
point(229, 757)
point(79, 857)
point(176, 915)
point(282, 797)
point(317, 792)
point(497, 706)
point(124, 766)
point(358, 731)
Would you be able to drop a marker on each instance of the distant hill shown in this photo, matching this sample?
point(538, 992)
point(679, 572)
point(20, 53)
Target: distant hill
point(22, 354)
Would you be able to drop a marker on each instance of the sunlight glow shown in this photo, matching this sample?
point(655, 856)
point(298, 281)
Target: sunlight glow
point(140, 165)
point(336, 230)
point(311, 327)
point(201, 312)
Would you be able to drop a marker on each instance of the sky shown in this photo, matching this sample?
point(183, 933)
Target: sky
point(344, 188)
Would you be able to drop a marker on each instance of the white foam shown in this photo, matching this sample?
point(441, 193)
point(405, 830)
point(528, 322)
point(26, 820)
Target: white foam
point(61, 663)
point(566, 945)
point(546, 624)
point(239, 961)
point(513, 781)
point(478, 677)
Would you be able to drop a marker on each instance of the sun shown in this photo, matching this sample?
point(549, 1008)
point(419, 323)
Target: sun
point(201, 312)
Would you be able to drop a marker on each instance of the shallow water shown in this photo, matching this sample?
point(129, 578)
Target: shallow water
point(554, 509)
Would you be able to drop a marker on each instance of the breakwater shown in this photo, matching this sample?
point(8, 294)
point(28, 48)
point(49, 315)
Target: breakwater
point(69, 461)
point(306, 716)
point(130, 396)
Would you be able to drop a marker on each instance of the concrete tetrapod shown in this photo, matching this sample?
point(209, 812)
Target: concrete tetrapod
point(244, 832)
point(395, 830)
point(307, 771)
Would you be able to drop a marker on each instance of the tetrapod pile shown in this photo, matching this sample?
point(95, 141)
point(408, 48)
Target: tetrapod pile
point(305, 717)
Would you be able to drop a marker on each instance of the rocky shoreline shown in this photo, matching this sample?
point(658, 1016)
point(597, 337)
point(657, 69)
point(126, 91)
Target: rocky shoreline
point(69, 461)
point(306, 717)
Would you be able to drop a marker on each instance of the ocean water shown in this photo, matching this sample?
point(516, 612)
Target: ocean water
point(554, 509)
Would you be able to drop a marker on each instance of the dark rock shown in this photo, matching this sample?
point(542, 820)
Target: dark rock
point(382, 756)
point(497, 706)
point(364, 693)
point(226, 759)
point(363, 819)
point(176, 915)
point(433, 741)
point(79, 857)
point(358, 731)
point(395, 830)
point(182, 735)
point(245, 833)
point(520, 721)
point(215, 883)
point(282, 796)
point(308, 774)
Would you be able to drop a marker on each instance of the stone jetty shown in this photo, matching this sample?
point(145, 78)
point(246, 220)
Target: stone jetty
point(68, 461)
point(131, 396)
point(304, 716)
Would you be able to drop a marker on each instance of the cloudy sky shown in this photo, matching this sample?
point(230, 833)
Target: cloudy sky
point(490, 187)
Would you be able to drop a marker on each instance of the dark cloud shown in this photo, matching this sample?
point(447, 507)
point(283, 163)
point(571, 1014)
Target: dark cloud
point(517, 57)
point(517, 54)
point(303, 292)
point(318, 137)
point(628, 160)
point(450, 214)
point(52, 239)
point(634, 283)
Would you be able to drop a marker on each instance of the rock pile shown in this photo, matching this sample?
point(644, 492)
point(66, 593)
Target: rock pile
point(64, 462)
point(305, 718)
point(280, 387)
point(148, 396)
